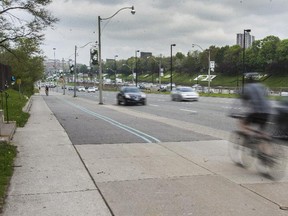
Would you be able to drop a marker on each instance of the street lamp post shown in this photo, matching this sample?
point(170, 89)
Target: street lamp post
point(116, 56)
point(99, 49)
point(55, 71)
point(75, 66)
point(209, 79)
point(159, 65)
point(75, 71)
point(171, 66)
point(136, 67)
point(244, 66)
point(131, 72)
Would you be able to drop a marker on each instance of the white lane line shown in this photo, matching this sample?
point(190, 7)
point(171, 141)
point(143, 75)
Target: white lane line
point(153, 105)
point(186, 110)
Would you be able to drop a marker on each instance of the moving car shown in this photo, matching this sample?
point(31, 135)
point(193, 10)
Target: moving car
point(92, 89)
point(184, 93)
point(131, 95)
point(81, 89)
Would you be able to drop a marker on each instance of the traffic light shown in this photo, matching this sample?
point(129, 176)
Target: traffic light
point(94, 56)
point(13, 78)
point(71, 68)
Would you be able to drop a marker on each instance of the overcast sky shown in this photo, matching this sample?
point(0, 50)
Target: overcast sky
point(159, 23)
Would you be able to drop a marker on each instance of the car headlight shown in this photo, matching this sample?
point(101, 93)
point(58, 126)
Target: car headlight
point(126, 95)
point(143, 95)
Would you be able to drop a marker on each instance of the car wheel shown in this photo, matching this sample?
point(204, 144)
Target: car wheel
point(125, 102)
point(144, 102)
point(118, 102)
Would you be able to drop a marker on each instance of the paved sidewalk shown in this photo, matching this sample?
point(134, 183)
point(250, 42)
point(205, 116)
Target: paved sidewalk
point(49, 177)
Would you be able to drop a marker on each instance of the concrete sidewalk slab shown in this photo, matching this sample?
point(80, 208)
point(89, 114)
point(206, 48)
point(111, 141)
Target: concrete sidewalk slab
point(195, 195)
point(148, 179)
point(135, 161)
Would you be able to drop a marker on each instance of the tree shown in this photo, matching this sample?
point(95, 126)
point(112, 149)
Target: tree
point(282, 50)
point(13, 27)
point(232, 58)
point(27, 66)
point(83, 69)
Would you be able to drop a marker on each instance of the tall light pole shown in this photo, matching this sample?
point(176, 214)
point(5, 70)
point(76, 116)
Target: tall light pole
point(75, 65)
point(209, 78)
point(131, 71)
point(116, 56)
point(159, 65)
point(99, 49)
point(244, 66)
point(171, 68)
point(54, 60)
point(136, 68)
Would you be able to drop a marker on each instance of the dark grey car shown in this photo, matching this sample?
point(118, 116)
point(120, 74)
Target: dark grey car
point(131, 95)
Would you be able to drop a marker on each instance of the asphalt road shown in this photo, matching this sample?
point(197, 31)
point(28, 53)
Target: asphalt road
point(161, 120)
point(208, 111)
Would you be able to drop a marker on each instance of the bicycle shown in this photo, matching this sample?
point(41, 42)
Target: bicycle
point(245, 148)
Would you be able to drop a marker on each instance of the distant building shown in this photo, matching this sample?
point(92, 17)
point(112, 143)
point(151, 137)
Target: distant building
point(54, 66)
point(145, 54)
point(249, 39)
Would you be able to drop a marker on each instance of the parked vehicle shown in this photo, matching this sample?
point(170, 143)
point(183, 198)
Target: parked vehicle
point(182, 93)
point(131, 95)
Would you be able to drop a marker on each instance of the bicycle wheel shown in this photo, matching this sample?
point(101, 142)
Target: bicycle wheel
point(247, 155)
point(234, 147)
point(238, 150)
point(274, 165)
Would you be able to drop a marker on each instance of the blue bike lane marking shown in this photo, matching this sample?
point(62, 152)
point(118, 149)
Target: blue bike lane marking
point(140, 134)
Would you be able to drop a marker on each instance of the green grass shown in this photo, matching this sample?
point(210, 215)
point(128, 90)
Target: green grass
point(273, 82)
point(14, 105)
point(7, 154)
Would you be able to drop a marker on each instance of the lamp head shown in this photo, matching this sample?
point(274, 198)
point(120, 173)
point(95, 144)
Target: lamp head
point(173, 44)
point(132, 10)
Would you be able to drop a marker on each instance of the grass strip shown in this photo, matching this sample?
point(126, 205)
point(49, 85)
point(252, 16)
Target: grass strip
point(7, 154)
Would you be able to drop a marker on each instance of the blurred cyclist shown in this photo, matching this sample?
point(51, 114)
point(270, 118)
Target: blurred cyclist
point(258, 109)
point(46, 90)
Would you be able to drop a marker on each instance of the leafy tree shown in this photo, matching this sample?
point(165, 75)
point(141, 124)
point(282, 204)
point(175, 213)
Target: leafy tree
point(232, 61)
point(27, 66)
point(282, 50)
point(13, 27)
point(83, 69)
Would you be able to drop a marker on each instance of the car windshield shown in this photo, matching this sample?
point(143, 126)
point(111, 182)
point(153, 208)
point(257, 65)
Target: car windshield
point(186, 89)
point(133, 90)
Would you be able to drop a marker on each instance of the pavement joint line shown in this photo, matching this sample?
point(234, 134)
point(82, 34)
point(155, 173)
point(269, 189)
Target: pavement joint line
point(156, 178)
point(93, 180)
point(50, 193)
point(262, 196)
point(186, 158)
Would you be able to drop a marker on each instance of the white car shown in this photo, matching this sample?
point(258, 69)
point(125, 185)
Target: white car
point(92, 89)
point(184, 93)
point(81, 89)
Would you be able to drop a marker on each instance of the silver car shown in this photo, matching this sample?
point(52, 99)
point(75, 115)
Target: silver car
point(184, 93)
